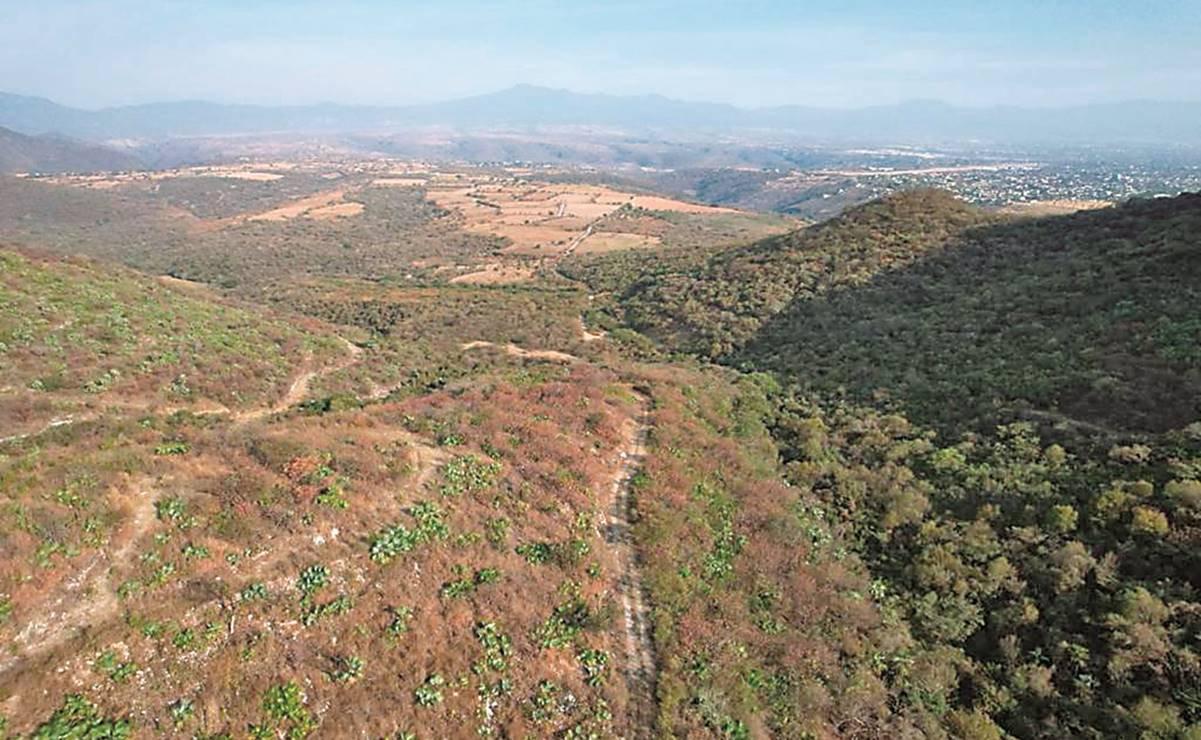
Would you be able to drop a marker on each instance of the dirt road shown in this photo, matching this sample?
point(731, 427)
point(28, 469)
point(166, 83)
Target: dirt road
point(639, 661)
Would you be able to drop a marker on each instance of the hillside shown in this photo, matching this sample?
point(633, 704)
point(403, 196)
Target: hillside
point(220, 519)
point(77, 337)
point(718, 308)
point(384, 501)
point(51, 154)
point(1089, 318)
point(1000, 418)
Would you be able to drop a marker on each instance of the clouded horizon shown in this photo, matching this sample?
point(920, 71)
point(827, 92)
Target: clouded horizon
point(94, 53)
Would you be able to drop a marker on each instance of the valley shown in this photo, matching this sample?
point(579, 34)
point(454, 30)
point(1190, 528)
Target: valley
point(600, 371)
point(383, 447)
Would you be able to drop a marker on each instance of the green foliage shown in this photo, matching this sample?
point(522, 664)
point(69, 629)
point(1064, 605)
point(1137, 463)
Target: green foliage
point(388, 543)
point(333, 495)
point(80, 719)
point(468, 474)
point(594, 663)
point(535, 553)
point(496, 529)
point(171, 509)
point(564, 623)
point(310, 580)
point(399, 624)
point(1149, 521)
point(348, 669)
point(999, 570)
point(174, 447)
point(284, 705)
point(465, 586)
point(497, 648)
point(429, 693)
point(116, 670)
point(313, 613)
point(182, 710)
point(253, 592)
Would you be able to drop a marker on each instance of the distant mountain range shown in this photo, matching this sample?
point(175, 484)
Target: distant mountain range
point(526, 106)
point(50, 154)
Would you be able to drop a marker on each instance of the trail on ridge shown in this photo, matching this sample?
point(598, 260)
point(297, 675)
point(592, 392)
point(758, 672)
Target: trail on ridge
point(639, 665)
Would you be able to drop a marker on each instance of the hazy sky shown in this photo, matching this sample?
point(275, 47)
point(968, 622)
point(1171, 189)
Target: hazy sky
point(753, 52)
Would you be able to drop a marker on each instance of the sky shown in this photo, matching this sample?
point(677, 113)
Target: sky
point(837, 53)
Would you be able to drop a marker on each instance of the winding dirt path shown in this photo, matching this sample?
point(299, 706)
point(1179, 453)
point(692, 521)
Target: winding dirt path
point(89, 597)
point(639, 665)
point(299, 390)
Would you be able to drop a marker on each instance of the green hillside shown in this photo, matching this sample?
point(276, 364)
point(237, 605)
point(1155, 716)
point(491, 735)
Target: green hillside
point(74, 333)
point(716, 309)
point(1092, 318)
point(1001, 419)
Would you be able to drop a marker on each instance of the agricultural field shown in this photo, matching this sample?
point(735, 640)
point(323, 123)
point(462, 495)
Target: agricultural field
point(242, 227)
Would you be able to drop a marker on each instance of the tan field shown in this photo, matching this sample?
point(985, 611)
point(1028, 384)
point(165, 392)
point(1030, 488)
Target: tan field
point(1053, 207)
point(495, 274)
point(337, 210)
point(252, 173)
point(301, 207)
point(252, 176)
point(604, 241)
point(543, 219)
point(398, 182)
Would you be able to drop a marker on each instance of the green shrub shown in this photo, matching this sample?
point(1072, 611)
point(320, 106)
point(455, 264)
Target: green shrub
point(284, 705)
point(80, 719)
point(430, 692)
point(468, 474)
point(310, 580)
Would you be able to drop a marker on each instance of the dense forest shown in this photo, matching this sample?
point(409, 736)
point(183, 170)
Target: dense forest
point(1001, 419)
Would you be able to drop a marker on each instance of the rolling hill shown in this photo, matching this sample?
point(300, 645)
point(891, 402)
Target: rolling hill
point(1090, 317)
point(923, 296)
point(1000, 416)
point(50, 154)
point(529, 106)
point(520, 542)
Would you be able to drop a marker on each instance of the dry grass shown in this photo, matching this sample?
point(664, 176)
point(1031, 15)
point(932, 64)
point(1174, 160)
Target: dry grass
point(337, 210)
point(398, 182)
point(297, 208)
point(542, 219)
point(1053, 207)
point(496, 274)
point(516, 351)
point(601, 242)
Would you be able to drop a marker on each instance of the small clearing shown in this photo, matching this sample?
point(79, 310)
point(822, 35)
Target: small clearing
point(398, 182)
point(607, 241)
point(496, 274)
point(1053, 207)
point(90, 596)
point(515, 351)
